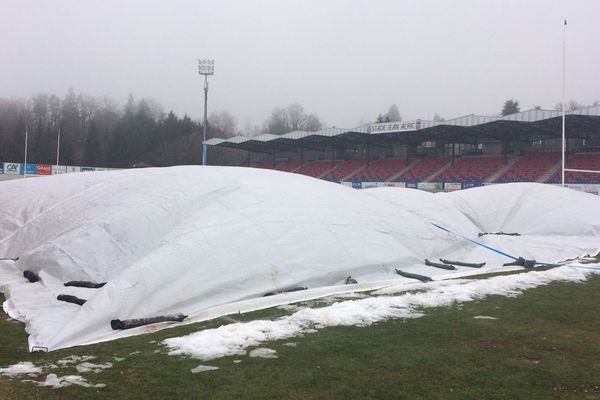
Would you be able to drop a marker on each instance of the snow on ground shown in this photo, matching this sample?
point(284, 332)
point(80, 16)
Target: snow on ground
point(234, 339)
point(90, 367)
point(211, 241)
point(263, 352)
point(53, 380)
point(22, 368)
point(203, 368)
point(484, 317)
point(73, 360)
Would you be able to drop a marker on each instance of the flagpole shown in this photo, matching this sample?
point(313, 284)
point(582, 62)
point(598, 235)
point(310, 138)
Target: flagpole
point(563, 106)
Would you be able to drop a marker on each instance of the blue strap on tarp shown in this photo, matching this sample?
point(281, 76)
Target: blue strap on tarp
point(476, 242)
point(506, 254)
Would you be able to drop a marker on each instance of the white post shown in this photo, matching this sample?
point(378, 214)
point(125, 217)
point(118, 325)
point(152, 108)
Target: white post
point(25, 164)
point(57, 149)
point(563, 107)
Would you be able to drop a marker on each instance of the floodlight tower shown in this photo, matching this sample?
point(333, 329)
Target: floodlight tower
point(206, 68)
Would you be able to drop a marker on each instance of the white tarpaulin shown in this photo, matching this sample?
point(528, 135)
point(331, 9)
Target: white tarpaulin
point(206, 241)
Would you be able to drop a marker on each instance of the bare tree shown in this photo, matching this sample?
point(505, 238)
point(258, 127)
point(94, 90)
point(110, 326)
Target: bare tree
point(222, 124)
point(291, 118)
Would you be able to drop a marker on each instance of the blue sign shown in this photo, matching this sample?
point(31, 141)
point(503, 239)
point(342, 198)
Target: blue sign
point(1, 168)
point(30, 170)
point(87, 169)
point(357, 185)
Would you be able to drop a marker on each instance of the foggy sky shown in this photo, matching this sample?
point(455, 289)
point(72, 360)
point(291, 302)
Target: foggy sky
point(345, 60)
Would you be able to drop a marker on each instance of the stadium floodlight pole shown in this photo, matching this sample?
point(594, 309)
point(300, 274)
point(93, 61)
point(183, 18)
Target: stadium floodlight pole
point(205, 67)
point(562, 175)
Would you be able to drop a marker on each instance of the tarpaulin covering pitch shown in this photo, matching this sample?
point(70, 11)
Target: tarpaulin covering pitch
point(191, 239)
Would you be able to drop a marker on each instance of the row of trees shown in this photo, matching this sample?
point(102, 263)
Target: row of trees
point(512, 106)
point(98, 132)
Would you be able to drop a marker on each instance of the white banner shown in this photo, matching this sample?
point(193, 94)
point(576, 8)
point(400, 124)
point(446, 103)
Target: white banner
point(367, 185)
point(399, 126)
point(452, 186)
point(59, 169)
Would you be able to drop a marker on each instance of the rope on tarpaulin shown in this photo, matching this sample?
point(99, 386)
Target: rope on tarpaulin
point(518, 261)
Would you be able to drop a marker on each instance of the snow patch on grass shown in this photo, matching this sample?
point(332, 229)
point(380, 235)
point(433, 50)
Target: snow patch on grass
point(54, 381)
point(484, 317)
point(263, 352)
point(203, 368)
point(233, 339)
point(74, 359)
point(89, 367)
point(21, 368)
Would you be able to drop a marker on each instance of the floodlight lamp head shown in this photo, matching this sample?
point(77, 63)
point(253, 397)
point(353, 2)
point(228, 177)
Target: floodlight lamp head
point(206, 67)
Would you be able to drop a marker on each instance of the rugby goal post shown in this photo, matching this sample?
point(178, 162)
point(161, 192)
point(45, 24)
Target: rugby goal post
point(563, 169)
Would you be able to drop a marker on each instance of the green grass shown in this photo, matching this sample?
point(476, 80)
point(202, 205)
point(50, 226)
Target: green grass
point(545, 345)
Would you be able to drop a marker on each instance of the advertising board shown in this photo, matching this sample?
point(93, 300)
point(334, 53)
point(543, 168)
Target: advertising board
point(59, 169)
point(12, 168)
point(430, 185)
point(30, 169)
point(44, 169)
point(452, 186)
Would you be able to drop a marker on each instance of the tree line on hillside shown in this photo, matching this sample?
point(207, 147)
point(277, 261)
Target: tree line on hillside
point(95, 132)
point(98, 132)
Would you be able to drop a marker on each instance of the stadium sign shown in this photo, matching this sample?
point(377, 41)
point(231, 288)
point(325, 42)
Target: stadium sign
point(87, 169)
point(452, 186)
point(27, 169)
point(59, 169)
point(430, 185)
point(44, 169)
point(1, 168)
point(11, 168)
point(400, 126)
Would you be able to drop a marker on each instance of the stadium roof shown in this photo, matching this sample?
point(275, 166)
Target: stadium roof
point(524, 126)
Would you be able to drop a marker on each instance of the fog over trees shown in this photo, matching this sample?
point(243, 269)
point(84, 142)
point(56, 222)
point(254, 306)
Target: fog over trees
point(99, 132)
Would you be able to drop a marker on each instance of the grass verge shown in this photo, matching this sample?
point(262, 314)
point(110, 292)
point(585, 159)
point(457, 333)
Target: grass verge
point(545, 344)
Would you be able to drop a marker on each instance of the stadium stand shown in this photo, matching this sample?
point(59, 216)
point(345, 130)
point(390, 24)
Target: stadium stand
point(289, 166)
point(590, 161)
point(471, 169)
point(423, 169)
point(315, 168)
point(345, 169)
point(530, 167)
point(380, 170)
point(262, 164)
point(485, 148)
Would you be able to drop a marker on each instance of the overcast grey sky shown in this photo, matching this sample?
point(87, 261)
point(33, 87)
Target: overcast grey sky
point(345, 60)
